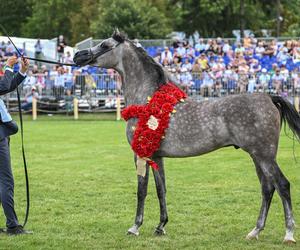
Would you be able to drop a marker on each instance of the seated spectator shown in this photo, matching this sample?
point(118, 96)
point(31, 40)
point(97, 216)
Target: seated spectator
point(208, 46)
point(243, 70)
point(208, 81)
point(260, 50)
point(35, 70)
point(40, 81)
point(29, 82)
point(190, 52)
point(230, 78)
point(239, 49)
point(200, 46)
point(218, 68)
point(277, 82)
point(296, 54)
point(263, 80)
point(167, 56)
point(220, 43)
point(156, 57)
point(165, 63)
point(273, 69)
point(186, 79)
point(181, 50)
point(211, 62)
point(176, 73)
point(285, 73)
point(255, 66)
point(196, 68)
point(283, 55)
point(295, 78)
point(226, 47)
point(215, 48)
point(28, 99)
point(251, 81)
point(186, 65)
point(289, 46)
point(202, 60)
point(230, 54)
point(176, 62)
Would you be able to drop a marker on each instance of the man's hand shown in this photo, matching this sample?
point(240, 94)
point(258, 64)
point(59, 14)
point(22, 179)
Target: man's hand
point(24, 65)
point(11, 61)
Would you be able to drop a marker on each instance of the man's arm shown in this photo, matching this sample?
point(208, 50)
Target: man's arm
point(11, 81)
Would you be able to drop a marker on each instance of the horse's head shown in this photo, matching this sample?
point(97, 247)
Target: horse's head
point(107, 54)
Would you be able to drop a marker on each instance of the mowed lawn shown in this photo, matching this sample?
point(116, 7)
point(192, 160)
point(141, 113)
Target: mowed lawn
point(83, 192)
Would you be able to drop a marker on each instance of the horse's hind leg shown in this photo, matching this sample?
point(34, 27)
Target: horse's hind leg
point(141, 196)
point(273, 174)
point(285, 194)
point(267, 190)
point(159, 177)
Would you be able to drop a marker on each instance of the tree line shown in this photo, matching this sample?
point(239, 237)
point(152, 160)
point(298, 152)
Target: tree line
point(148, 19)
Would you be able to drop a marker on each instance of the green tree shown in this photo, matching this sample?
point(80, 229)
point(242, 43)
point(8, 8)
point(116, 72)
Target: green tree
point(13, 14)
point(50, 18)
point(82, 18)
point(219, 17)
point(137, 18)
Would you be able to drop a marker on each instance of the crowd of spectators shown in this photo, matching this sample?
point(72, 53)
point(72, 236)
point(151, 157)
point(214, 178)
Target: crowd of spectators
point(249, 65)
point(210, 66)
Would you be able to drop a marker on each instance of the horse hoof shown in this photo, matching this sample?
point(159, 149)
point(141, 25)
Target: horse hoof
point(290, 241)
point(133, 231)
point(159, 232)
point(251, 236)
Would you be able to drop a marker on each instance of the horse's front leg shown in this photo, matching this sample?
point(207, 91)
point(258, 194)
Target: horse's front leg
point(141, 195)
point(159, 177)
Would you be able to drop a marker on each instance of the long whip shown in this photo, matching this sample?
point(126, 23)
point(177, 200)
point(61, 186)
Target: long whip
point(22, 138)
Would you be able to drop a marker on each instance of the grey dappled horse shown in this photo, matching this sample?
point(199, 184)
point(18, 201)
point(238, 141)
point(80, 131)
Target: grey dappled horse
point(250, 122)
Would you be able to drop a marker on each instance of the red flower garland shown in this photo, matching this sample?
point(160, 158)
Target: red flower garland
point(147, 137)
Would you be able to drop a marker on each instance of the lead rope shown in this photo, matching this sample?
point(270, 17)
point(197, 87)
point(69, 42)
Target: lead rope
point(24, 160)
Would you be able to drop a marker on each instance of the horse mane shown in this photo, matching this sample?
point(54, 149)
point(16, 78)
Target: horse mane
point(149, 60)
point(121, 37)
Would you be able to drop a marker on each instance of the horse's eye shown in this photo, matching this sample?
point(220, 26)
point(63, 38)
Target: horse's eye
point(104, 46)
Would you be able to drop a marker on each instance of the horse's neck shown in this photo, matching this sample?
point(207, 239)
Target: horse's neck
point(139, 82)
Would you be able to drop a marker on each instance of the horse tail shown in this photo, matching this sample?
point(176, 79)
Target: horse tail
point(288, 114)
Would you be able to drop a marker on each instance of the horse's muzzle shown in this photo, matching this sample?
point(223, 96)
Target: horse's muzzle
point(83, 57)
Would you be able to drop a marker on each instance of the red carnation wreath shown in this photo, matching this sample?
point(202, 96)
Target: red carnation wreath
point(153, 120)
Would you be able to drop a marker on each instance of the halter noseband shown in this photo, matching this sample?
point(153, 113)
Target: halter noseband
point(100, 53)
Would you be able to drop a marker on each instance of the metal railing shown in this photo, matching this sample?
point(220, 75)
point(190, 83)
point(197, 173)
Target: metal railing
point(103, 85)
point(99, 91)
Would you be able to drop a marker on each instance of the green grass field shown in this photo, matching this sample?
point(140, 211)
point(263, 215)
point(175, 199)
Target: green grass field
point(83, 192)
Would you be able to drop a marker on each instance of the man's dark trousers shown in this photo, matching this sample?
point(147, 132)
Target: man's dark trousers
point(7, 184)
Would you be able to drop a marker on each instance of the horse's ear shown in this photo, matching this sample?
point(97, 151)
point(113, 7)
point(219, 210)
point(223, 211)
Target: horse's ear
point(118, 36)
